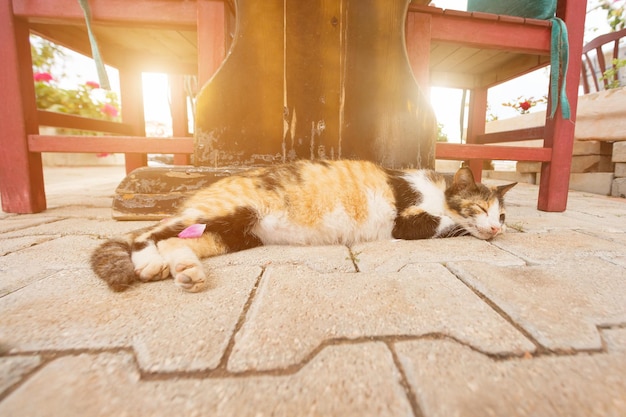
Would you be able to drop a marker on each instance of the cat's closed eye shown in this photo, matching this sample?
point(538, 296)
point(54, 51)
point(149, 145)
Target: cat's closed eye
point(480, 208)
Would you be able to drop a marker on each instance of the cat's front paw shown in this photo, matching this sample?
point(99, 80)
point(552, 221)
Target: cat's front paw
point(150, 265)
point(153, 271)
point(190, 276)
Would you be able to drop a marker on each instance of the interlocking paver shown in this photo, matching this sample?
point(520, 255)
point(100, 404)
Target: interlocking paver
point(81, 211)
point(75, 227)
point(530, 220)
point(169, 329)
point(14, 244)
point(393, 255)
point(450, 379)
point(296, 310)
point(556, 247)
point(560, 305)
point(31, 264)
point(318, 258)
point(354, 380)
point(531, 323)
point(13, 369)
point(11, 223)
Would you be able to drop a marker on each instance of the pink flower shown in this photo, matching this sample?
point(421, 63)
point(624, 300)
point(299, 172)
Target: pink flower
point(109, 110)
point(42, 77)
point(92, 84)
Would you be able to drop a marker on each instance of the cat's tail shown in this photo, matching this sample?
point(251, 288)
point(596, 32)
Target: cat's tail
point(112, 263)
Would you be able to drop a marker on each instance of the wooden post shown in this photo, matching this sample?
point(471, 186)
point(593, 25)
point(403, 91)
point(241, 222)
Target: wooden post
point(21, 172)
point(476, 125)
point(132, 112)
point(178, 100)
point(346, 92)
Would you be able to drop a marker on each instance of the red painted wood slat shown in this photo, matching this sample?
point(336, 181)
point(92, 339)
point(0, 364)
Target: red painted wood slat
point(469, 152)
point(112, 144)
point(68, 121)
point(154, 13)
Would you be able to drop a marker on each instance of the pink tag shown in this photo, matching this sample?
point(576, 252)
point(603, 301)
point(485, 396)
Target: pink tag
point(193, 231)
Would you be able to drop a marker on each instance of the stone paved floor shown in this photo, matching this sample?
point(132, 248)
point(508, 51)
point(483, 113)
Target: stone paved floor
point(530, 324)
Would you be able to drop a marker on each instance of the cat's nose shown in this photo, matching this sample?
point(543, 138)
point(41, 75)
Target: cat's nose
point(495, 230)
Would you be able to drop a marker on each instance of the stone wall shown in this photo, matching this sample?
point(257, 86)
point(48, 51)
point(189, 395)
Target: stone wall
point(618, 188)
point(599, 156)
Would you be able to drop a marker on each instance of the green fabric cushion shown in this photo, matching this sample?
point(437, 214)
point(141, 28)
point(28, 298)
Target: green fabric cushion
point(539, 9)
point(536, 9)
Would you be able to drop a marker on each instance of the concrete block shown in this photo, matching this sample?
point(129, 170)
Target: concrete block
point(592, 163)
point(512, 176)
point(618, 188)
point(620, 169)
point(443, 165)
point(528, 167)
point(619, 152)
point(592, 147)
point(592, 182)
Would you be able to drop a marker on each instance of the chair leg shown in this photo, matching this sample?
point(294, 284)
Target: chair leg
point(179, 113)
point(132, 112)
point(554, 182)
point(21, 172)
point(555, 175)
point(476, 126)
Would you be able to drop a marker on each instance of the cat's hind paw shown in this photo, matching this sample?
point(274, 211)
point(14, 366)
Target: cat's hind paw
point(190, 276)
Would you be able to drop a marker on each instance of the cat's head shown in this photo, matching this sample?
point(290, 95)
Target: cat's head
point(475, 207)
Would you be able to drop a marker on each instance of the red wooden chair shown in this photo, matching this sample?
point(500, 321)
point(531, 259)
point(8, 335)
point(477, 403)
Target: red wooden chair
point(593, 69)
point(476, 51)
point(174, 37)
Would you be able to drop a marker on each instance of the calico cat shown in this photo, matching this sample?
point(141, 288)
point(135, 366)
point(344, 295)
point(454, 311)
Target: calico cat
point(302, 203)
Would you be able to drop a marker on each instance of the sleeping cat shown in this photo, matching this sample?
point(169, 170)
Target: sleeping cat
point(302, 203)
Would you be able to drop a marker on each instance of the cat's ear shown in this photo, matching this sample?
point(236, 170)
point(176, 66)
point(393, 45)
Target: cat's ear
point(502, 189)
point(464, 178)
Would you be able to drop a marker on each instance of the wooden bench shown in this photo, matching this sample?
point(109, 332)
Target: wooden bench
point(183, 37)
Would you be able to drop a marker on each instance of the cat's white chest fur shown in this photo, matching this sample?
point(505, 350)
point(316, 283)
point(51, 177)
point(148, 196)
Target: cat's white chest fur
point(433, 197)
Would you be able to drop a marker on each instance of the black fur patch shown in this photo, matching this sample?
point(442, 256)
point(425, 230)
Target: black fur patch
point(234, 230)
point(137, 246)
point(419, 226)
point(273, 177)
point(268, 181)
point(454, 231)
point(167, 232)
point(403, 193)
